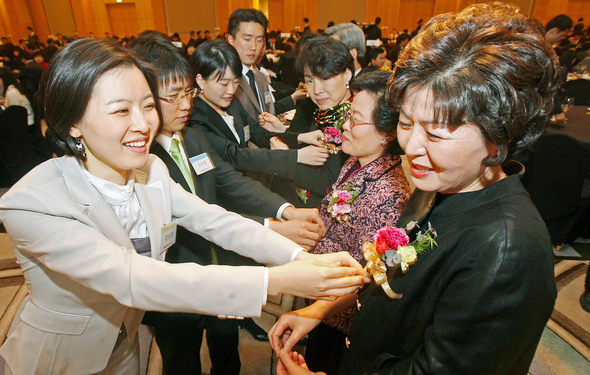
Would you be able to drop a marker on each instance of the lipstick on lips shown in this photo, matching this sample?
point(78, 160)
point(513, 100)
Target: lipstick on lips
point(419, 171)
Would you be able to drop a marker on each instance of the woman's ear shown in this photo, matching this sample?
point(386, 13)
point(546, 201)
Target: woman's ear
point(348, 75)
point(200, 81)
point(75, 131)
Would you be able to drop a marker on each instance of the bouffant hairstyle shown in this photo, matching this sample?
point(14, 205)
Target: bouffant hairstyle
point(68, 84)
point(488, 65)
point(324, 57)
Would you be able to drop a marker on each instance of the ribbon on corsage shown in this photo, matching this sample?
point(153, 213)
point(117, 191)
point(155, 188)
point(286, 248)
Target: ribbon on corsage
point(392, 249)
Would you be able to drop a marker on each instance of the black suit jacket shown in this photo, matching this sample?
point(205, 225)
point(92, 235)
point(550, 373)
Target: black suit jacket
point(279, 163)
point(475, 304)
point(222, 184)
point(205, 119)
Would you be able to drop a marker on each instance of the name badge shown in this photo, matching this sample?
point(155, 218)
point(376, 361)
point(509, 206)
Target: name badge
point(202, 163)
point(247, 133)
point(168, 235)
point(268, 97)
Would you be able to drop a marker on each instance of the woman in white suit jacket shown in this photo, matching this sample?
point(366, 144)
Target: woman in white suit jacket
point(88, 286)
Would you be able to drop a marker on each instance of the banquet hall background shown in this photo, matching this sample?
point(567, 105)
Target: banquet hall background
point(129, 17)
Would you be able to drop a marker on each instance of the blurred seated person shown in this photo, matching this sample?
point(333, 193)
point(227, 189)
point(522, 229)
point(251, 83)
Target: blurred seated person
point(376, 59)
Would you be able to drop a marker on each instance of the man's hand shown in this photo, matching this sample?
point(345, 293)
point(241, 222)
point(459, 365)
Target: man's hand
point(300, 93)
point(312, 155)
point(271, 123)
point(277, 144)
point(305, 233)
point(307, 214)
point(313, 138)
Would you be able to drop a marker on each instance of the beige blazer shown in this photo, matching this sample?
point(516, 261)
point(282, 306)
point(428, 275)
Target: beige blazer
point(85, 279)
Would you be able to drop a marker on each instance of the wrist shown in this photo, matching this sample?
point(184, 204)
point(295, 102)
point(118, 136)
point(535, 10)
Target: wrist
point(288, 213)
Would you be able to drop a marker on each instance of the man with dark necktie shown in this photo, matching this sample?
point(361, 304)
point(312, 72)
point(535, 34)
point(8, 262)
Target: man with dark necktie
point(247, 28)
point(193, 164)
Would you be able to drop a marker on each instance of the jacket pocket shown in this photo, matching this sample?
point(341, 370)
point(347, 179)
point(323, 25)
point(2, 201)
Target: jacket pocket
point(52, 321)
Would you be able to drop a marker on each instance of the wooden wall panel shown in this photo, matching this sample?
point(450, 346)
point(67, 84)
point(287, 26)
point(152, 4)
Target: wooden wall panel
point(83, 16)
point(123, 19)
point(413, 10)
point(296, 10)
point(187, 15)
point(60, 16)
point(388, 10)
point(335, 10)
point(276, 15)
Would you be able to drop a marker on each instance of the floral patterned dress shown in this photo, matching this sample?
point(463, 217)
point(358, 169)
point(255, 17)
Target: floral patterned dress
point(383, 194)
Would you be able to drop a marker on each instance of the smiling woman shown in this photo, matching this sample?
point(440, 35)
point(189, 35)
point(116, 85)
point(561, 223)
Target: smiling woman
point(472, 87)
point(104, 217)
point(116, 132)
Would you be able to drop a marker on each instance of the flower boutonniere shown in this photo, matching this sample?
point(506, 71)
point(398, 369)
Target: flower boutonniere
point(341, 200)
point(332, 139)
point(392, 249)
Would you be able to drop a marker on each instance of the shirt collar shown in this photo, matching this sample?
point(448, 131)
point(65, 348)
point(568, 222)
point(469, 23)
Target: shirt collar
point(165, 141)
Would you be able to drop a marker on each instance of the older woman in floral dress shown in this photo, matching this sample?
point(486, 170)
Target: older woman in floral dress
point(370, 192)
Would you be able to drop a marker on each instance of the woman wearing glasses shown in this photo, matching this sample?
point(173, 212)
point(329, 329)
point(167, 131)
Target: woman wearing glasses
point(374, 172)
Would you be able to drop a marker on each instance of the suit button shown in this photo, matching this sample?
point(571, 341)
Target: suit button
point(358, 305)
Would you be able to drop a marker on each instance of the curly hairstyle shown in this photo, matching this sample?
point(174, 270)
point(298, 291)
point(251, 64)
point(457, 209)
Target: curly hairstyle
point(488, 65)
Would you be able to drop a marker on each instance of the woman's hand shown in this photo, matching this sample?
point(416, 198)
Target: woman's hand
point(312, 155)
point(315, 279)
point(291, 327)
point(271, 123)
point(311, 138)
point(293, 364)
point(277, 144)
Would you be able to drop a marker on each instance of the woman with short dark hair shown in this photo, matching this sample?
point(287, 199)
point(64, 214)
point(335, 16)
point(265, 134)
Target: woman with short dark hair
point(229, 127)
point(91, 229)
point(472, 88)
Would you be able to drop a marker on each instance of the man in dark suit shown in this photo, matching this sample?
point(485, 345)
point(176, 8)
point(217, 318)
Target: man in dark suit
point(193, 164)
point(247, 28)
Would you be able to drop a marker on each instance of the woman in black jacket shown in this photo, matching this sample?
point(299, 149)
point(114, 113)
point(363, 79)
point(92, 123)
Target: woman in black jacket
point(306, 172)
point(472, 88)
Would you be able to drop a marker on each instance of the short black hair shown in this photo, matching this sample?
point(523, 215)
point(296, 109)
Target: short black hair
point(324, 57)
point(68, 84)
point(374, 52)
point(214, 57)
point(245, 15)
point(563, 22)
point(169, 62)
point(384, 116)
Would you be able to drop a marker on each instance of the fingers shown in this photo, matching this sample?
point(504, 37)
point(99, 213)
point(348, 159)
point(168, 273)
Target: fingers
point(291, 366)
point(275, 333)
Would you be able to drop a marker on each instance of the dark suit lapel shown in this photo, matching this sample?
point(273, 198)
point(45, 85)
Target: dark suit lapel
point(217, 123)
point(173, 169)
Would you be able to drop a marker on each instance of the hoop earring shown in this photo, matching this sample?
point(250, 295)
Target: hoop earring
point(347, 85)
point(80, 146)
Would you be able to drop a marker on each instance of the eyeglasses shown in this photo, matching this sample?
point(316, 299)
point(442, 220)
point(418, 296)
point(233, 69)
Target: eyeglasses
point(176, 99)
point(350, 118)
